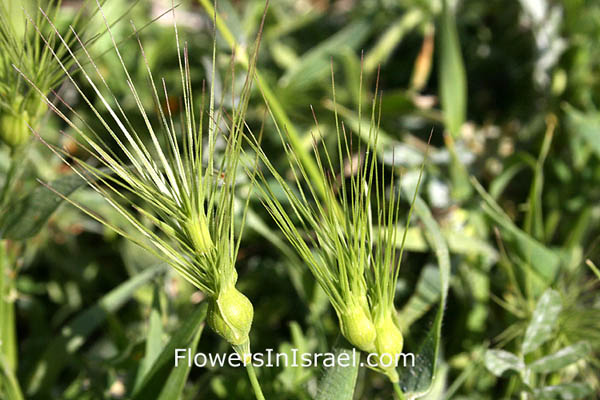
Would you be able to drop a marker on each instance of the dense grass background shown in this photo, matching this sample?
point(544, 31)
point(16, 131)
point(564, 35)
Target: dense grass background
point(513, 103)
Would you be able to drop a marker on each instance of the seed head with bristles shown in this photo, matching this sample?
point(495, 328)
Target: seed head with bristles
point(178, 181)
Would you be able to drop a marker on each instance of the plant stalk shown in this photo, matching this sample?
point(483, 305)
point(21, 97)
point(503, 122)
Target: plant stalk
point(399, 391)
point(254, 381)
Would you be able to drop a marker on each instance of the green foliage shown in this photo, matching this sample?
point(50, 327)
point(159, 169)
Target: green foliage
point(338, 382)
point(498, 294)
point(539, 331)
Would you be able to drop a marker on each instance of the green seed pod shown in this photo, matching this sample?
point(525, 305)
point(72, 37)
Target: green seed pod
point(389, 341)
point(358, 328)
point(13, 128)
point(197, 229)
point(230, 315)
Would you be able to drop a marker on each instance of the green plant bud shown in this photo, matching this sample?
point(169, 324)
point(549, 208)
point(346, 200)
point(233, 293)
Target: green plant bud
point(197, 229)
point(358, 328)
point(389, 341)
point(13, 128)
point(230, 315)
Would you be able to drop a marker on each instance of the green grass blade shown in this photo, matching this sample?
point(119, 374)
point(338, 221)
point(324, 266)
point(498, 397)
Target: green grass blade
point(8, 342)
point(316, 62)
point(544, 261)
point(175, 383)
point(452, 76)
point(391, 38)
point(30, 213)
point(9, 386)
point(75, 333)
point(426, 294)
point(163, 369)
point(153, 338)
point(416, 381)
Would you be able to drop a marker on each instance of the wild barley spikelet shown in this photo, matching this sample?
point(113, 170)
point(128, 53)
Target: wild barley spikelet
point(357, 328)
point(230, 315)
point(390, 342)
point(13, 128)
point(348, 230)
point(169, 176)
point(197, 230)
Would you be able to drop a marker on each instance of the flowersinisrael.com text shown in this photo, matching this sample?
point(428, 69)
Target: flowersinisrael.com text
point(269, 358)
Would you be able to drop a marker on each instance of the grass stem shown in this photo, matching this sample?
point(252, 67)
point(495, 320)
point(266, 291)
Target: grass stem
point(254, 381)
point(399, 391)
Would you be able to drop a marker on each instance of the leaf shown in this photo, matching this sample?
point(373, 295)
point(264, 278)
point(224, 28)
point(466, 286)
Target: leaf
point(339, 381)
point(586, 125)
point(565, 391)
point(500, 361)
point(316, 61)
point(75, 333)
point(561, 358)
point(452, 76)
point(9, 386)
point(8, 331)
point(543, 320)
point(391, 38)
point(175, 383)
point(163, 371)
point(426, 294)
point(544, 261)
point(416, 381)
point(153, 339)
point(30, 214)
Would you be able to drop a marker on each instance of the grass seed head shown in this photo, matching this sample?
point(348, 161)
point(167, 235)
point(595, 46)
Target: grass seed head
point(197, 231)
point(389, 341)
point(160, 181)
point(13, 128)
point(230, 315)
point(357, 328)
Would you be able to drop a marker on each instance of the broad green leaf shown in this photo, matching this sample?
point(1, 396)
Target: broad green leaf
point(339, 381)
point(452, 76)
point(500, 361)
point(417, 381)
point(543, 320)
point(153, 338)
point(75, 333)
point(565, 391)
point(561, 358)
point(30, 214)
point(163, 370)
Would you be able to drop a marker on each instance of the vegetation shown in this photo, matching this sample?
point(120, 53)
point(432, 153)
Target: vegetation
point(310, 176)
